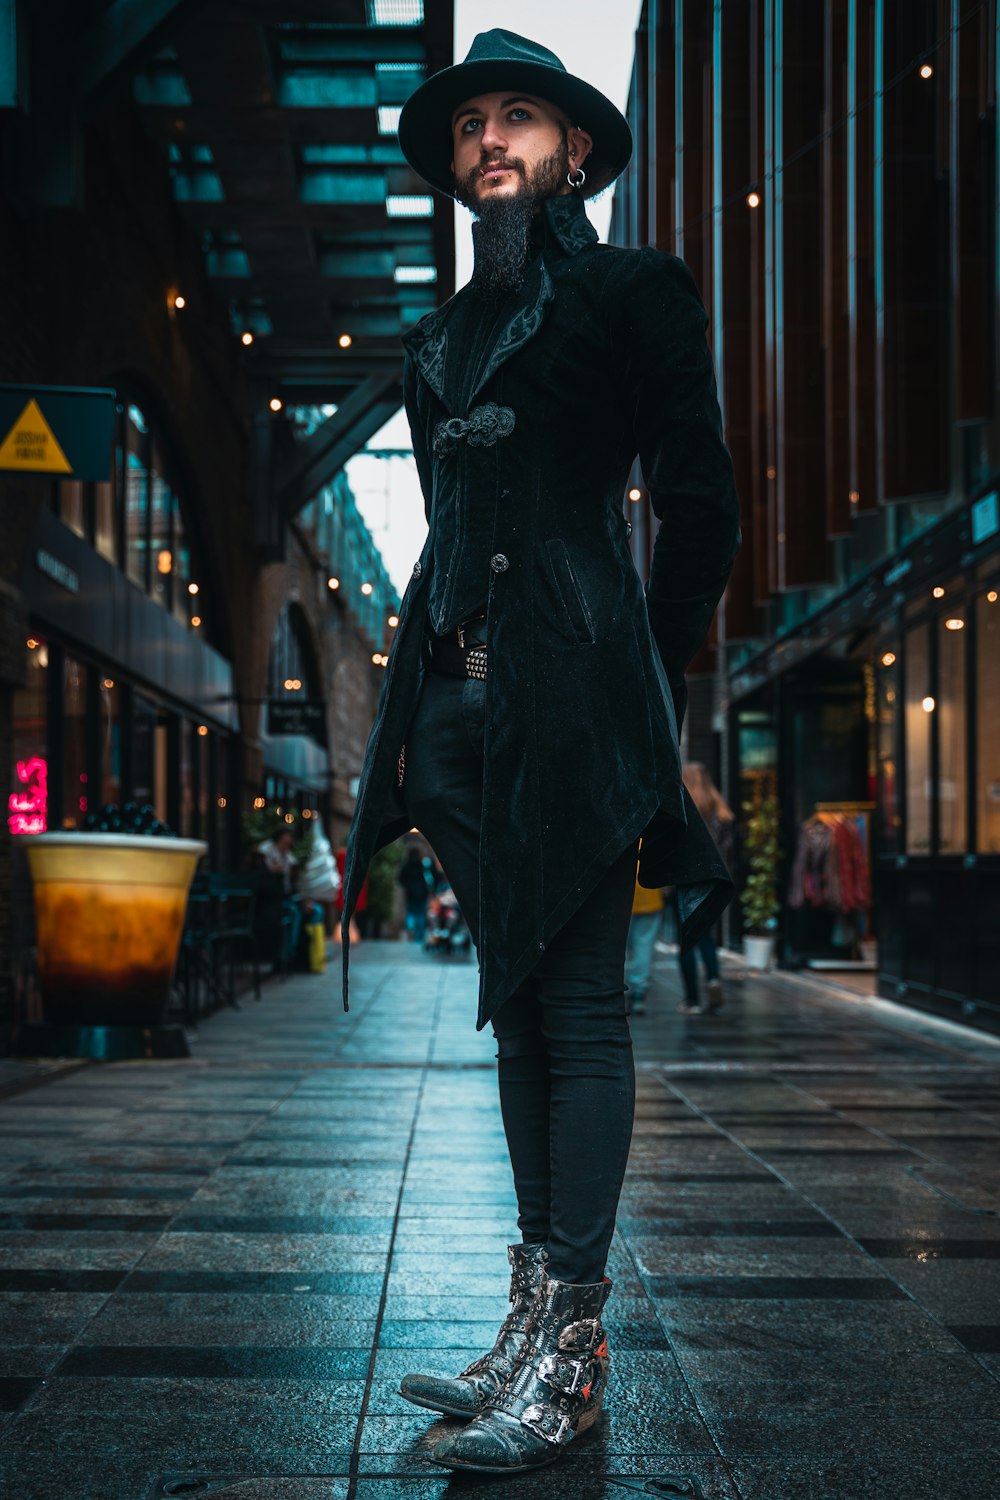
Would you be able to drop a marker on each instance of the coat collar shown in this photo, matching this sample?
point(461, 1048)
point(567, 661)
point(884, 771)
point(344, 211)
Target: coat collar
point(564, 229)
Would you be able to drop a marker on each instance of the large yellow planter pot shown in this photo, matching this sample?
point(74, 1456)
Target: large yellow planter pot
point(109, 912)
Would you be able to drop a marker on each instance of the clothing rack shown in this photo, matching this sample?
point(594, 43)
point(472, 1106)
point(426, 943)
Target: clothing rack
point(861, 811)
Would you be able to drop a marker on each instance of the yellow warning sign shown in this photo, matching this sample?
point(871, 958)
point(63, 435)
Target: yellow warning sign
point(31, 444)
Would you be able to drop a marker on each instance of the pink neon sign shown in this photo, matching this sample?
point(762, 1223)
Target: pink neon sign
point(28, 810)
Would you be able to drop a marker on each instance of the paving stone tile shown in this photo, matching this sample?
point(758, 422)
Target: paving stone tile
point(886, 1475)
point(217, 1342)
point(54, 1474)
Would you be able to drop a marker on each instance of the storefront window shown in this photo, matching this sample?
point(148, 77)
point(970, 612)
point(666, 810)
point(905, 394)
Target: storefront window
point(149, 751)
point(952, 746)
point(887, 689)
point(76, 799)
point(105, 540)
point(988, 722)
point(136, 496)
point(28, 799)
point(920, 707)
point(109, 698)
point(182, 566)
point(72, 506)
point(160, 520)
point(188, 751)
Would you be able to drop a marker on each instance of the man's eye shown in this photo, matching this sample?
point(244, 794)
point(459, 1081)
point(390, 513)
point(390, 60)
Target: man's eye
point(520, 111)
point(465, 128)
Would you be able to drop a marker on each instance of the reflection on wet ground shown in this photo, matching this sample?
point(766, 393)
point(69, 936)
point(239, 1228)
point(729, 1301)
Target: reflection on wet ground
point(214, 1272)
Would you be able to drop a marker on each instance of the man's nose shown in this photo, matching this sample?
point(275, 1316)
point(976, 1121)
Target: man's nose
point(493, 139)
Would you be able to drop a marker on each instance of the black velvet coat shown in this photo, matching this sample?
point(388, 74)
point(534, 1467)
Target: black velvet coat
point(602, 356)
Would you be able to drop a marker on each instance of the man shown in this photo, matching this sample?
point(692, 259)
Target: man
point(529, 717)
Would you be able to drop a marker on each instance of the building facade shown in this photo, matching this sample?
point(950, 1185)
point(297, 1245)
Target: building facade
point(829, 172)
point(209, 216)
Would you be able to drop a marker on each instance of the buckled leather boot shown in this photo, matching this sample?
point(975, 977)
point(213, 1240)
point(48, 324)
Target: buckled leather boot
point(553, 1394)
point(467, 1394)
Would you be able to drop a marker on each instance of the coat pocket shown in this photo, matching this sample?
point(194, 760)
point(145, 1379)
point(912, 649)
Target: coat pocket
point(568, 593)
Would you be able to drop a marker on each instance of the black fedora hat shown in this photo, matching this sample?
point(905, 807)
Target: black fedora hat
point(498, 60)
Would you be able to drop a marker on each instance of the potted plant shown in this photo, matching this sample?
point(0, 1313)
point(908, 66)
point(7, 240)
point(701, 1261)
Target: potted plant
point(759, 898)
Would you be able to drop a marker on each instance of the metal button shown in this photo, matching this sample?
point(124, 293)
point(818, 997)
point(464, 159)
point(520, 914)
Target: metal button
point(418, 568)
point(499, 563)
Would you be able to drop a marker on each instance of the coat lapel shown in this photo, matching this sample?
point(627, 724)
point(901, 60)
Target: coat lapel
point(427, 343)
point(526, 318)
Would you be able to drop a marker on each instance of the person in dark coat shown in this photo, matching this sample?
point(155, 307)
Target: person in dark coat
point(528, 722)
point(417, 883)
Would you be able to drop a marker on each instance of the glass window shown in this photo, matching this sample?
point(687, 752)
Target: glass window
point(887, 687)
point(161, 543)
point(105, 529)
point(187, 753)
point(72, 505)
point(182, 567)
point(988, 721)
point(950, 715)
point(136, 497)
point(149, 749)
point(920, 707)
point(109, 697)
point(75, 790)
point(205, 761)
point(28, 799)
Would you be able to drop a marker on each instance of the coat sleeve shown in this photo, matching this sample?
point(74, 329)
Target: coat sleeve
point(417, 434)
point(669, 383)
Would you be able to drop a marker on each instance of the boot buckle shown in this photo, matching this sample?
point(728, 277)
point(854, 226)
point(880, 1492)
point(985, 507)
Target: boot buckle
point(566, 1375)
point(547, 1423)
point(581, 1337)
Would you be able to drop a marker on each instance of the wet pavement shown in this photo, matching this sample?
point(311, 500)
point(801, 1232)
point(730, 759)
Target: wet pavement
point(214, 1272)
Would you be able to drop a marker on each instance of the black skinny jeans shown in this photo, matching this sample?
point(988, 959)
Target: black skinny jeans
point(567, 1084)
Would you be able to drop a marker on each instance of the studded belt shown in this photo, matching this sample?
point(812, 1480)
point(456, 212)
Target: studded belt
point(457, 655)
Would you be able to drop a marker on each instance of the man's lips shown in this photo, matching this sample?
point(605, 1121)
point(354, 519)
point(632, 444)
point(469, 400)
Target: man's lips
point(494, 171)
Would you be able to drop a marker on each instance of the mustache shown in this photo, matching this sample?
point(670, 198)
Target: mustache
point(510, 163)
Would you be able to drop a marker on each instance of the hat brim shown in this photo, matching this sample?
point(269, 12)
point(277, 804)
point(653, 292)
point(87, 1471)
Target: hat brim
point(425, 121)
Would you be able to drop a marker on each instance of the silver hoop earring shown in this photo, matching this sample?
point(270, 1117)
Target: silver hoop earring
point(576, 182)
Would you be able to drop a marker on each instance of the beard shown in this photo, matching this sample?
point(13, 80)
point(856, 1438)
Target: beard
point(503, 235)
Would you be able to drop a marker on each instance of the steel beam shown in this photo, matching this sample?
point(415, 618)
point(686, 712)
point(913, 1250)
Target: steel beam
point(318, 458)
point(127, 32)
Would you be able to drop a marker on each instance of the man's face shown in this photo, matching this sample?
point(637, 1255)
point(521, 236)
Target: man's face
point(284, 841)
point(506, 145)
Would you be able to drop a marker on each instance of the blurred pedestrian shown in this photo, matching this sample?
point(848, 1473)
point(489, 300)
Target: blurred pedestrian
point(319, 881)
point(643, 930)
point(360, 904)
point(721, 822)
point(418, 885)
point(277, 858)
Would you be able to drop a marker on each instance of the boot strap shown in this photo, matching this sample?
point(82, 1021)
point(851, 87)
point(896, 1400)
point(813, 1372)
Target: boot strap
point(565, 1375)
point(548, 1423)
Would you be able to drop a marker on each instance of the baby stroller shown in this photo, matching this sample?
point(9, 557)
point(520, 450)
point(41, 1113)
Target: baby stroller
point(446, 929)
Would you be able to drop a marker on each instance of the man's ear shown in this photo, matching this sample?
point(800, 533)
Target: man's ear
point(580, 145)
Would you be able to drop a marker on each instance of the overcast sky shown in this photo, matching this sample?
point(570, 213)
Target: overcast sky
point(597, 43)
